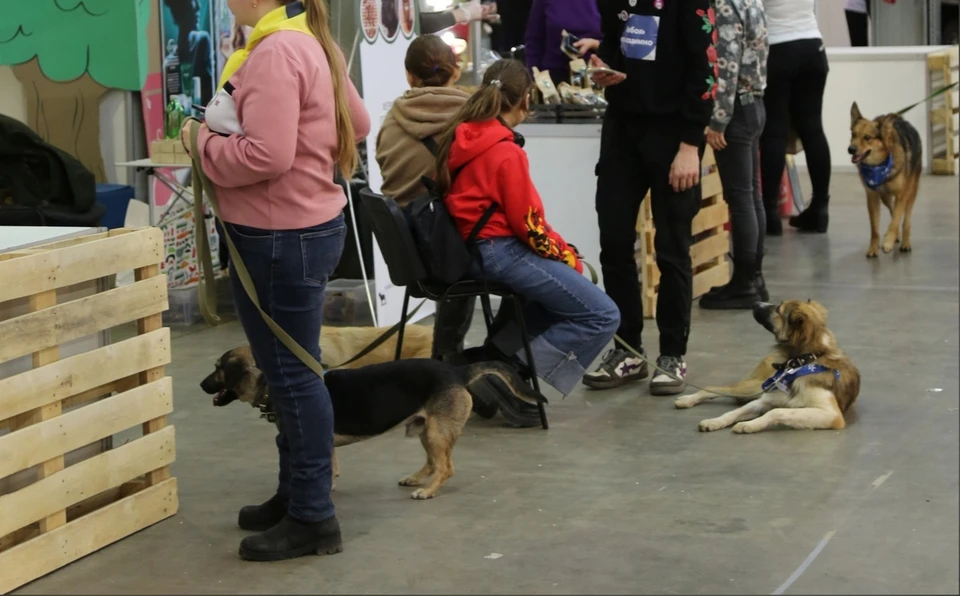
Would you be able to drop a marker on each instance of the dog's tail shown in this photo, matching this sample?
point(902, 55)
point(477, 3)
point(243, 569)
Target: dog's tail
point(508, 376)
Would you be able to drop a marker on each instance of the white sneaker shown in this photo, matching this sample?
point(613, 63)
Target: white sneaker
point(618, 367)
point(669, 384)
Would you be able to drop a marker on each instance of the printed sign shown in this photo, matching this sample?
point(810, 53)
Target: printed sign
point(639, 38)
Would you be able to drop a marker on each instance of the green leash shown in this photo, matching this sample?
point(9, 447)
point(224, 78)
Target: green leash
point(928, 98)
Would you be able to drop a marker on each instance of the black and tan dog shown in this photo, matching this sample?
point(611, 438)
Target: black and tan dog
point(888, 154)
point(807, 382)
point(432, 399)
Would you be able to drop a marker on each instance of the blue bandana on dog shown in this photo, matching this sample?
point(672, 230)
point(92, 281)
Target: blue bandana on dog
point(875, 176)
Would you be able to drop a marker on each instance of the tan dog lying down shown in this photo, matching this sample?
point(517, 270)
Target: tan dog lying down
point(339, 344)
point(807, 382)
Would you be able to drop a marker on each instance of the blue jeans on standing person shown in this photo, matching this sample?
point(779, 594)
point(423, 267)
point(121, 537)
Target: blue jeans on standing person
point(290, 269)
point(568, 318)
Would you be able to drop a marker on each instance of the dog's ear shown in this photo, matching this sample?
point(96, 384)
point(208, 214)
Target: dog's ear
point(233, 371)
point(888, 132)
point(855, 115)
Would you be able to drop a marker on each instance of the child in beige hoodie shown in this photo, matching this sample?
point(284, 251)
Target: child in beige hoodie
point(407, 132)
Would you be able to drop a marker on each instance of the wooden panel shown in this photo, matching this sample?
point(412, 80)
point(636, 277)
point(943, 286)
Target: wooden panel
point(29, 446)
point(709, 248)
point(89, 477)
point(714, 276)
point(53, 326)
point(710, 185)
point(90, 257)
point(48, 552)
point(146, 325)
point(709, 158)
point(713, 216)
point(84, 372)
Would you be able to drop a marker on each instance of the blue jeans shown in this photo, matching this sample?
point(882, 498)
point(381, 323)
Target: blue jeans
point(289, 269)
point(569, 319)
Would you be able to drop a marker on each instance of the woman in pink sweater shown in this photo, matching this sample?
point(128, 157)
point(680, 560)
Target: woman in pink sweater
point(276, 133)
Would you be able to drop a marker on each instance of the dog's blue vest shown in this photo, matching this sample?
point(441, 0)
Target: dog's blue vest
point(793, 369)
point(875, 176)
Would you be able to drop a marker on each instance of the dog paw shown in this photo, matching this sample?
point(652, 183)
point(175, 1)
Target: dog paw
point(744, 428)
point(708, 426)
point(422, 494)
point(873, 252)
point(683, 402)
point(887, 246)
point(411, 481)
point(906, 248)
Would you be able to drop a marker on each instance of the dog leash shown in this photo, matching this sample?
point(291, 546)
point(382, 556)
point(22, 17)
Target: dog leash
point(207, 290)
point(928, 98)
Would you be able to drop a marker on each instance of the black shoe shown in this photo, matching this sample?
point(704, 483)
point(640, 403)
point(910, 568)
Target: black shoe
point(774, 226)
point(740, 294)
point(618, 367)
point(516, 412)
point(290, 539)
point(260, 518)
point(486, 398)
point(813, 219)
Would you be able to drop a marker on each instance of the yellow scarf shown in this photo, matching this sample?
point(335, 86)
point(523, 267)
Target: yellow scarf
point(291, 17)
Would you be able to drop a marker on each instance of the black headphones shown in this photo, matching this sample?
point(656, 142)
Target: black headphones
point(517, 137)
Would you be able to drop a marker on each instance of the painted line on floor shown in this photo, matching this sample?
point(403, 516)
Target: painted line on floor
point(882, 479)
point(806, 563)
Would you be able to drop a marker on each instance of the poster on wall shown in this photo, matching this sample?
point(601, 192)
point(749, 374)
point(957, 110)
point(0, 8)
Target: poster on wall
point(231, 36)
point(387, 27)
point(189, 64)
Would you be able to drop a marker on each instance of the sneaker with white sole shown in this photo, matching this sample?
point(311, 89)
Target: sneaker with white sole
point(672, 384)
point(617, 368)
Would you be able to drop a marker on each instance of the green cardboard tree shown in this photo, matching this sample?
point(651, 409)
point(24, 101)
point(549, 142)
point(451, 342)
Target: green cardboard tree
point(67, 53)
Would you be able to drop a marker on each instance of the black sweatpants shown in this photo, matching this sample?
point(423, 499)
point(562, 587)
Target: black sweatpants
point(796, 77)
point(858, 28)
point(636, 153)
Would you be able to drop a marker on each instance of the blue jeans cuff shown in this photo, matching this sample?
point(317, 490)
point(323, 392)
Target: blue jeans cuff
point(560, 370)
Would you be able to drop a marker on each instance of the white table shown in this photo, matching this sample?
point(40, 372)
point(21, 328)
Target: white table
point(151, 168)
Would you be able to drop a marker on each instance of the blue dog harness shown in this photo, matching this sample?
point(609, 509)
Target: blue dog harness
point(793, 369)
point(875, 176)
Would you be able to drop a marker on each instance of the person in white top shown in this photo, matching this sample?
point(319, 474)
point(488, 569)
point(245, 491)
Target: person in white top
point(796, 77)
point(858, 13)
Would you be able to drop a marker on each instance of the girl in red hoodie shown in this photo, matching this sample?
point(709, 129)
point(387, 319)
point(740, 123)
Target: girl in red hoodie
point(481, 161)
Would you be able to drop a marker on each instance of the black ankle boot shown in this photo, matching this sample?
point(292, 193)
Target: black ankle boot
point(774, 225)
point(260, 518)
point(814, 218)
point(291, 538)
point(740, 293)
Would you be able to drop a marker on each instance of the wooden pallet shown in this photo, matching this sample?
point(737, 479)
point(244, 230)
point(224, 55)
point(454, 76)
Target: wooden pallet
point(64, 512)
point(943, 112)
point(709, 249)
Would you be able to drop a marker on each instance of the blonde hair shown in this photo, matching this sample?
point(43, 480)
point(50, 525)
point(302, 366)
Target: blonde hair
point(318, 19)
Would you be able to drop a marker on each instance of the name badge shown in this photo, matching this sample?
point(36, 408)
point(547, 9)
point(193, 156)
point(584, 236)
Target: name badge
point(639, 38)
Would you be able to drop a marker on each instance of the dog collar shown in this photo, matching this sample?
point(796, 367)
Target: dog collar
point(793, 369)
point(875, 176)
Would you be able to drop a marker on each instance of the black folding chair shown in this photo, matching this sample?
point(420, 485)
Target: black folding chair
point(406, 269)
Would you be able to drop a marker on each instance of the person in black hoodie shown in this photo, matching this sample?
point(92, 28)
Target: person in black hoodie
point(660, 103)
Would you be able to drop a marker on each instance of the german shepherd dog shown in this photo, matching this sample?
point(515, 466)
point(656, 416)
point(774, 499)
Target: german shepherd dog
point(775, 395)
point(432, 399)
point(888, 152)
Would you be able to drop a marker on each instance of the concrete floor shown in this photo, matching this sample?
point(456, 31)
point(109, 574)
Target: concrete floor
point(622, 494)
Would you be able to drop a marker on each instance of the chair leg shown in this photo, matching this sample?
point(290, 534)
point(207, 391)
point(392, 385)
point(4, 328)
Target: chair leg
point(487, 310)
point(531, 366)
point(403, 317)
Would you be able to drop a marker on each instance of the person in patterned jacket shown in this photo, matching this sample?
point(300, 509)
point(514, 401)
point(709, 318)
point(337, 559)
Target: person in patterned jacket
point(660, 102)
point(481, 162)
point(734, 134)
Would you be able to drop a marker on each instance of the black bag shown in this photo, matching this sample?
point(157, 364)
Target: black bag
point(445, 255)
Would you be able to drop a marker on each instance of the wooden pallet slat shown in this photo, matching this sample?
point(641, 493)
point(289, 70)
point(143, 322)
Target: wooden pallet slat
point(51, 551)
point(76, 375)
point(78, 318)
point(85, 479)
